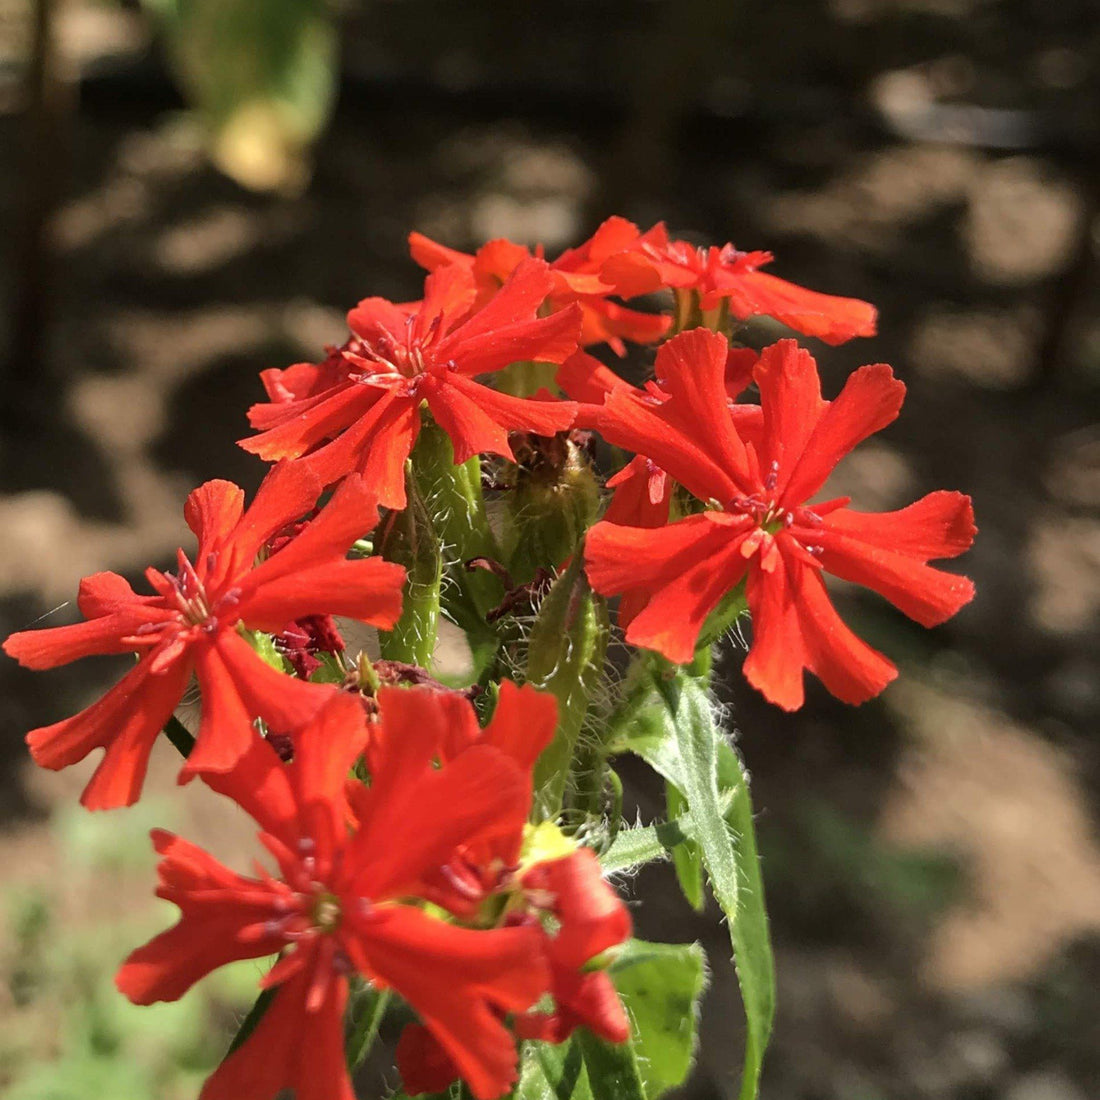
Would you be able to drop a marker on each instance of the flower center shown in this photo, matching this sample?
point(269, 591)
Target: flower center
point(325, 911)
point(386, 358)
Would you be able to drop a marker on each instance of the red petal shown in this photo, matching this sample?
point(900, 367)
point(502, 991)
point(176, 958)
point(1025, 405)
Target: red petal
point(237, 687)
point(213, 510)
point(516, 301)
point(449, 294)
point(285, 495)
point(608, 321)
point(368, 590)
point(496, 260)
point(471, 429)
point(778, 654)
point(543, 417)
point(350, 514)
point(459, 981)
point(642, 495)
point(887, 552)
point(429, 254)
point(826, 316)
point(846, 665)
point(626, 422)
point(683, 570)
point(423, 1064)
point(693, 368)
point(590, 914)
point(591, 1001)
point(376, 447)
point(58, 645)
point(478, 797)
point(790, 397)
point(206, 936)
point(291, 1048)
point(740, 363)
point(373, 317)
point(126, 722)
point(303, 425)
point(542, 340)
point(613, 235)
point(585, 378)
point(870, 400)
point(523, 723)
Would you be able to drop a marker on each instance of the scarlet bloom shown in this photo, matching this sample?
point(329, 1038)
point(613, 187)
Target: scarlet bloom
point(192, 625)
point(359, 410)
point(568, 893)
point(576, 276)
point(758, 526)
point(589, 919)
point(339, 903)
point(656, 262)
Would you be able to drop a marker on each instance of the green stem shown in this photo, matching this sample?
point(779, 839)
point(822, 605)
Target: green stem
point(365, 1030)
point(255, 1015)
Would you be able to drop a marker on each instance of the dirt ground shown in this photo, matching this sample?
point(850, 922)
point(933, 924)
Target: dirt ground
point(932, 858)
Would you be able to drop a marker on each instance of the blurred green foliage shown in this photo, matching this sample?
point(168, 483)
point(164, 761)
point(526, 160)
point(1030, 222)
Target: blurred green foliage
point(261, 77)
point(67, 1033)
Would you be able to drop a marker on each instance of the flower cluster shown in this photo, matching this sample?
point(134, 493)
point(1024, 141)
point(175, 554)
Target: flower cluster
point(441, 843)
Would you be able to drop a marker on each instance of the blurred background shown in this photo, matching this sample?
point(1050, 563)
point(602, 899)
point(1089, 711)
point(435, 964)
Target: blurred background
point(194, 190)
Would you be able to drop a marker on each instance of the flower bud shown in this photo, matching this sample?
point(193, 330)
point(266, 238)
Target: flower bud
point(566, 657)
point(554, 502)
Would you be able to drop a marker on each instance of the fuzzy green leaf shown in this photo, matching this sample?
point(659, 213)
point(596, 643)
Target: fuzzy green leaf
point(661, 985)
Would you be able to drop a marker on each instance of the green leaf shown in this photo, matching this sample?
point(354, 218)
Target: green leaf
point(553, 1072)
point(255, 1015)
point(613, 1071)
point(661, 985)
point(686, 857)
point(692, 753)
point(696, 742)
point(752, 949)
point(644, 843)
point(365, 1015)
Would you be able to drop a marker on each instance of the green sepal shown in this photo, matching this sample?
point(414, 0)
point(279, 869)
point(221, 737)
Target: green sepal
point(409, 539)
point(565, 656)
point(525, 378)
point(264, 645)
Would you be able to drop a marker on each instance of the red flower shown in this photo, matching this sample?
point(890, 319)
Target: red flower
point(655, 261)
point(192, 625)
point(758, 526)
point(576, 278)
point(338, 904)
point(360, 408)
point(522, 726)
point(587, 919)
